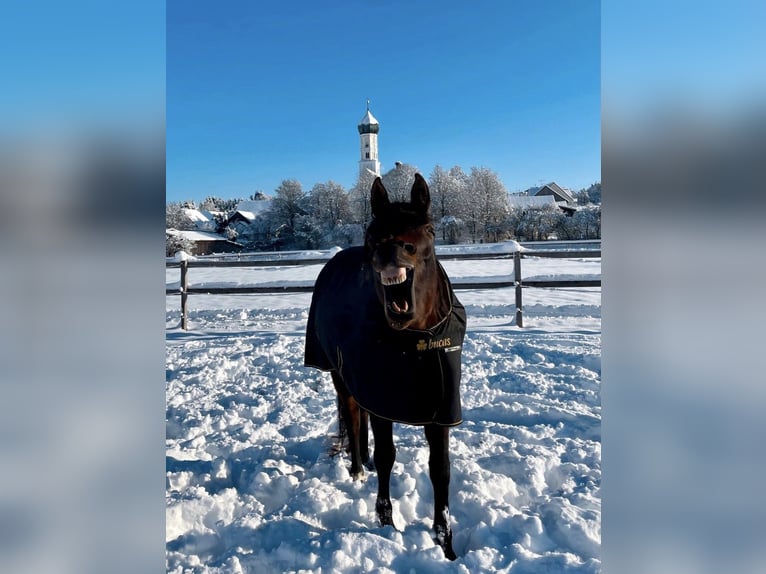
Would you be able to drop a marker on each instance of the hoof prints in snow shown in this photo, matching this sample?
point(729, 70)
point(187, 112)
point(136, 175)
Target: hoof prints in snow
point(250, 487)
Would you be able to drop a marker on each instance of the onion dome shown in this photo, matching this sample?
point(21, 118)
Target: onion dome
point(368, 125)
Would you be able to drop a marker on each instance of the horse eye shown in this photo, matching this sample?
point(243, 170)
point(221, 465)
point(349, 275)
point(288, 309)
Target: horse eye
point(410, 248)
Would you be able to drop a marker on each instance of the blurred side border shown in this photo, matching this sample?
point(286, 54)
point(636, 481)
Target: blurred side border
point(82, 200)
point(684, 142)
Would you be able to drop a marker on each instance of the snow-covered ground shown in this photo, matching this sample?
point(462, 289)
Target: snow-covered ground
point(251, 488)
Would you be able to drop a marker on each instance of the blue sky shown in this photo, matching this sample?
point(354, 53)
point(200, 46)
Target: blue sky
point(258, 92)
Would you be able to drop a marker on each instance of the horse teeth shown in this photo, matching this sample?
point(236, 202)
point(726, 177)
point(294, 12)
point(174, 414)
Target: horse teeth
point(393, 276)
point(393, 280)
point(399, 309)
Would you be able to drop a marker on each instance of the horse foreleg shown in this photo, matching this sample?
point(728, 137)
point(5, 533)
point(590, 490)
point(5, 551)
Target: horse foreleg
point(384, 455)
point(439, 470)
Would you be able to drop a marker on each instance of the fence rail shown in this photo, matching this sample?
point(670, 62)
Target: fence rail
point(184, 290)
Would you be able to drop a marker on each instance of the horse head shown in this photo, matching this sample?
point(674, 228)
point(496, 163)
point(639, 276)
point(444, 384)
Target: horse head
point(400, 248)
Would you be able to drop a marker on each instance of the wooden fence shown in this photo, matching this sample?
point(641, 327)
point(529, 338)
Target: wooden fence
point(185, 289)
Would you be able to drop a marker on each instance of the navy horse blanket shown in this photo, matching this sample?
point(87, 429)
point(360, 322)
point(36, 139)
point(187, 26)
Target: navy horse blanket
point(408, 376)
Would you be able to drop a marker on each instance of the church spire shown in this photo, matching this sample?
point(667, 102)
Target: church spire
point(368, 140)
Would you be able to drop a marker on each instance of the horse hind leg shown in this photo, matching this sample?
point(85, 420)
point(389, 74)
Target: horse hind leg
point(350, 421)
point(340, 444)
point(439, 470)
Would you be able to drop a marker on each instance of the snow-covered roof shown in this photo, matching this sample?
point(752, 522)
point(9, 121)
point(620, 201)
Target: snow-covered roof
point(195, 235)
point(251, 209)
point(197, 216)
point(531, 201)
point(556, 189)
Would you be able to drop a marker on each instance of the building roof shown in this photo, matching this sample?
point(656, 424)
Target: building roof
point(195, 235)
point(531, 201)
point(251, 209)
point(368, 124)
point(552, 188)
point(368, 118)
point(197, 216)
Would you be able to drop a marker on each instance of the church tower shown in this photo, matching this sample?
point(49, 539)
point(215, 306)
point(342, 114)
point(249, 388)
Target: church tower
point(368, 143)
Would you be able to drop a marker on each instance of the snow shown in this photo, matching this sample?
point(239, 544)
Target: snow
point(480, 248)
point(530, 201)
point(198, 216)
point(253, 208)
point(251, 488)
point(195, 235)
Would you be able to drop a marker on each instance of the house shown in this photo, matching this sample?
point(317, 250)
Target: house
point(248, 224)
point(247, 213)
point(562, 196)
point(202, 220)
point(559, 193)
point(524, 202)
point(205, 243)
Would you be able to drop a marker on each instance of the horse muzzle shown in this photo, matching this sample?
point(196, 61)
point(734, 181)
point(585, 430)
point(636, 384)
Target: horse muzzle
point(398, 295)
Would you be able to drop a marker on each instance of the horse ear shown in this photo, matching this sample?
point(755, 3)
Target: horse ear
point(420, 196)
point(378, 196)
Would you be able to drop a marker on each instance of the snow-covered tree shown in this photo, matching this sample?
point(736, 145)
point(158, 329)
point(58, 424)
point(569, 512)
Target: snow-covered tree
point(329, 204)
point(329, 220)
point(213, 203)
point(359, 198)
point(398, 181)
point(449, 199)
point(176, 218)
point(589, 222)
point(589, 195)
point(439, 184)
point(568, 226)
point(487, 205)
point(537, 224)
point(176, 243)
point(289, 204)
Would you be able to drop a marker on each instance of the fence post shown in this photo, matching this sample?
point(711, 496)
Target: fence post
point(517, 282)
point(184, 294)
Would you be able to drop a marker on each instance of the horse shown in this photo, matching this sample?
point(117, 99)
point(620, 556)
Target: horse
point(385, 322)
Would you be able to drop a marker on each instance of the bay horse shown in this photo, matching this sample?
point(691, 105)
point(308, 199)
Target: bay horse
point(386, 324)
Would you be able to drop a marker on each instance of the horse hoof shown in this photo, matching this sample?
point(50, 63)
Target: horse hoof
point(443, 539)
point(385, 512)
point(357, 475)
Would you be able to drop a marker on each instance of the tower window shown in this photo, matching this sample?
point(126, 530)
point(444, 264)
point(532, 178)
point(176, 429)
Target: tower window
point(366, 145)
point(367, 155)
